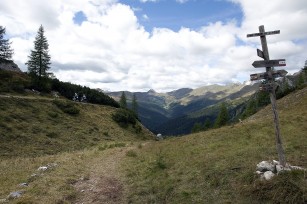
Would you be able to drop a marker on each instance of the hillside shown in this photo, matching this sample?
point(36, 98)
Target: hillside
point(34, 125)
point(216, 166)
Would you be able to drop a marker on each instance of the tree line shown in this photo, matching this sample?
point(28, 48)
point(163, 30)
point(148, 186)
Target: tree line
point(39, 64)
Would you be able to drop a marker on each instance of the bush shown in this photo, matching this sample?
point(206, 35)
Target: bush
point(124, 117)
point(67, 107)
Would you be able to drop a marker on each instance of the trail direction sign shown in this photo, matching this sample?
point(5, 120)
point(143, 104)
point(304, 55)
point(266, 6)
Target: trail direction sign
point(269, 63)
point(269, 76)
point(264, 33)
point(265, 75)
point(260, 53)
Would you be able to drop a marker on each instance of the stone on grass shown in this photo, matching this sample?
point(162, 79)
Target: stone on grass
point(42, 168)
point(280, 168)
point(14, 195)
point(268, 175)
point(23, 184)
point(265, 166)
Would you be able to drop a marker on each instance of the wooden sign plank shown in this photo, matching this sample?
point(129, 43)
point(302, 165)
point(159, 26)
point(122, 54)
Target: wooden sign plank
point(265, 75)
point(269, 63)
point(263, 34)
point(260, 53)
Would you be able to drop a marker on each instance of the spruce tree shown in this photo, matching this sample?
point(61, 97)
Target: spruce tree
point(134, 105)
point(6, 52)
point(123, 101)
point(39, 59)
point(223, 116)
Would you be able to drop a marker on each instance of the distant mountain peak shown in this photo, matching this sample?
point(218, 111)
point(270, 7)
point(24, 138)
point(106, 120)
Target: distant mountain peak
point(151, 91)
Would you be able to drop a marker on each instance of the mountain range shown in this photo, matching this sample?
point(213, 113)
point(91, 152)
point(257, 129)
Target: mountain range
point(175, 112)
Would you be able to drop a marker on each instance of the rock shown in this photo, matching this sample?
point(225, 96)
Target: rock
point(3, 200)
point(259, 172)
point(268, 175)
point(280, 168)
point(14, 195)
point(24, 185)
point(159, 137)
point(297, 168)
point(275, 162)
point(42, 168)
point(265, 166)
point(9, 65)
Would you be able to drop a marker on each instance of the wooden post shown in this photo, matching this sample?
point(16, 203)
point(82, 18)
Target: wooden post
point(270, 80)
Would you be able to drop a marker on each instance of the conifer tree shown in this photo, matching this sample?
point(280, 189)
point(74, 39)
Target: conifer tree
point(39, 59)
point(123, 101)
point(223, 116)
point(6, 51)
point(134, 105)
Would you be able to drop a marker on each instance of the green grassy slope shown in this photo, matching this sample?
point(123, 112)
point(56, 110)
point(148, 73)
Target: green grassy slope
point(218, 166)
point(31, 126)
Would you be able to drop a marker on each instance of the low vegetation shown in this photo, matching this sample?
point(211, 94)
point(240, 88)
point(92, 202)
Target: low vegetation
point(218, 166)
point(31, 126)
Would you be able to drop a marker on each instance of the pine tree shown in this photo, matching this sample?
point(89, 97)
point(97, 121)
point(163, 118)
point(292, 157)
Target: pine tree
point(123, 101)
point(39, 59)
point(6, 52)
point(134, 105)
point(223, 116)
point(197, 127)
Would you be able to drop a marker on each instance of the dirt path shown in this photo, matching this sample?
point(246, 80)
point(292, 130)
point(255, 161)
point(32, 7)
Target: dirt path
point(103, 184)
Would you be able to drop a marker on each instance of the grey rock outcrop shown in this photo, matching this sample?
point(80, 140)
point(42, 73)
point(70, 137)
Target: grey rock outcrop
point(9, 65)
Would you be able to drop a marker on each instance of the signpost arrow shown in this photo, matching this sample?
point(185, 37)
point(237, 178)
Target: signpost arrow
point(269, 63)
point(260, 53)
point(265, 75)
point(263, 34)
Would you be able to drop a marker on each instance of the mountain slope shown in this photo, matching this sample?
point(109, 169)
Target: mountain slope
point(218, 166)
point(175, 113)
point(33, 125)
point(215, 166)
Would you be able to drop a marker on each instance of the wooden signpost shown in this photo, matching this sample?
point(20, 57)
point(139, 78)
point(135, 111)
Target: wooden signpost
point(269, 84)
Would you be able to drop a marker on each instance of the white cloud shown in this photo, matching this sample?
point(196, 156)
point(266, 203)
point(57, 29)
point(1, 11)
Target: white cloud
point(145, 17)
point(113, 51)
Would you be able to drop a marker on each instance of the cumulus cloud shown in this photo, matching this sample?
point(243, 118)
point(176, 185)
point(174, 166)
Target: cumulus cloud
point(111, 50)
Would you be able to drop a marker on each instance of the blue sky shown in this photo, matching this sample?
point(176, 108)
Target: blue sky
point(137, 45)
point(191, 14)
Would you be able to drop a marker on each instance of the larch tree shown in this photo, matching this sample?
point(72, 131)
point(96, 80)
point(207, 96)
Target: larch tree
point(39, 58)
point(6, 52)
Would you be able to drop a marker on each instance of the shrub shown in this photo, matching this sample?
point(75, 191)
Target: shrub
point(67, 107)
point(124, 117)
